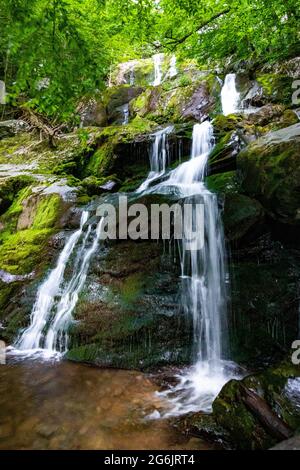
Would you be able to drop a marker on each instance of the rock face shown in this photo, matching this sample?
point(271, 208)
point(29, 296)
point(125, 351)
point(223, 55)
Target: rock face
point(270, 173)
point(128, 313)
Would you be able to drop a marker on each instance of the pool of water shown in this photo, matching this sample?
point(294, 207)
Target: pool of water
point(61, 405)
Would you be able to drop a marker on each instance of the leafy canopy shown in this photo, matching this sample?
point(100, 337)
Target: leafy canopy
point(52, 52)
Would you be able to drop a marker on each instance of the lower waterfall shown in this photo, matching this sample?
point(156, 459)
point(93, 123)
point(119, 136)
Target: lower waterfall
point(57, 297)
point(203, 283)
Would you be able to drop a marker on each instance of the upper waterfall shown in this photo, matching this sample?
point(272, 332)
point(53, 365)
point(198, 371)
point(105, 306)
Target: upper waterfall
point(157, 60)
point(230, 97)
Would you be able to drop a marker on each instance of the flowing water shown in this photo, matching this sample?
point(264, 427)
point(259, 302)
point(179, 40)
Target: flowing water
point(230, 97)
point(157, 61)
point(159, 157)
point(125, 110)
point(204, 284)
point(57, 296)
point(173, 67)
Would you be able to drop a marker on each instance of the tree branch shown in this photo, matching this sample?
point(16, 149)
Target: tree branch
point(177, 41)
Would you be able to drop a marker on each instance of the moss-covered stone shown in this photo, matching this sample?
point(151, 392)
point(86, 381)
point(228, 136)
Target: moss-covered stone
point(245, 427)
point(127, 315)
point(270, 173)
point(241, 215)
point(276, 88)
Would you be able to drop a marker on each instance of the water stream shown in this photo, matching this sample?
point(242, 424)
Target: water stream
point(230, 97)
point(57, 296)
point(204, 284)
point(157, 60)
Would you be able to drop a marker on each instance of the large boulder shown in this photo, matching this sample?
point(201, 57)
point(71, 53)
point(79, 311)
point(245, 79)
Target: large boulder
point(270, 173)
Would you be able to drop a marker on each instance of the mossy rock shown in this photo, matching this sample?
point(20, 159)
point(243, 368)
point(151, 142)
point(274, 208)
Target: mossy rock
point(241, 215)
point(276, 88)
point(270, 173)
point(245, 427)
point(127, 315)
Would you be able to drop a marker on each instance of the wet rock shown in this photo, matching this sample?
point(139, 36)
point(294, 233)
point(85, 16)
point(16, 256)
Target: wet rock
point(92, 112)
point(241, 215)
point(270, 173)
point(256, 411)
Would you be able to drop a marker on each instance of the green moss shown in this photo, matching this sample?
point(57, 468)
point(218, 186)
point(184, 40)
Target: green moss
point(47, 212)
point(21, 251)
point(276, 88)
point(227, 182)
point(131, 288)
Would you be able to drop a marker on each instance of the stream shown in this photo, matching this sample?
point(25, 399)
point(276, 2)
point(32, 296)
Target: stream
point(61, 405)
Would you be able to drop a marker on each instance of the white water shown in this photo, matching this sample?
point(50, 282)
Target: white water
point(157, 60)
point(158, 157)
point(173, 67)
point(229, 95)
point(125, 110)
point(56, 298)
point(204, 289)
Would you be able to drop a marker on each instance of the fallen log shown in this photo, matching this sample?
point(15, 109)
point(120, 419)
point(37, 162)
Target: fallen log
point(275, 426)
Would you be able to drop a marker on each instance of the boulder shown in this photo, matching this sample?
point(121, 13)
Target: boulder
point(270, 173)
point(12, 128)
point(259, 411)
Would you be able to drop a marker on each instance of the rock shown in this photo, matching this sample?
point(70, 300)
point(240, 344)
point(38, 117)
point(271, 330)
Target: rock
point(270, 173)
point(241, 215)
point(289, 444)
point(199, 105)
point(92, 112)
point(128, 316)
point(264, 306)
point(256, 411)
point(115, 98)
point(12, 128)
point(273, 88)
point(185, 100)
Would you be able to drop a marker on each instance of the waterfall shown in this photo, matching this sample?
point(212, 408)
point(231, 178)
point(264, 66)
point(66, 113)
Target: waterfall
point(159, 157)
point(173, 67)
point(56, 297)
point(157, 60)
point(125, 110)
point(203, 284)
point(229, 95)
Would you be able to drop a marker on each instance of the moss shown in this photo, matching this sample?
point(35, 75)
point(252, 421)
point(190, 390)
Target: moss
point(270, 173)
point(21, 251)
point(241, 214)
point(131, 288)
point(276, 88)
point(47, 212)
point(227, 182)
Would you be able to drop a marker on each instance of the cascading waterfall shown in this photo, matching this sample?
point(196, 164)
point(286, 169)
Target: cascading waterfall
point(157, 60)
point(204, 284)
point(173, 67)
point(125, 110)
point(230, 97)
point(56, 298)
point(158, 158)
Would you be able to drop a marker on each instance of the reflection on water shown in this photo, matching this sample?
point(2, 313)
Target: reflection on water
point(60, 405)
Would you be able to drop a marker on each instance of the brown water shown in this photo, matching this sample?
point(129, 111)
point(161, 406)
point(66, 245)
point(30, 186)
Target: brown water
point(61, 405)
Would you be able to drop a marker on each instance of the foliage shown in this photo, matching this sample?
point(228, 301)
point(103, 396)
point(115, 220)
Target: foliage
point(52, 52)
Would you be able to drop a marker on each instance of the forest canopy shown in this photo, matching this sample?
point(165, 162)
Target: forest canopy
point(52, 52)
